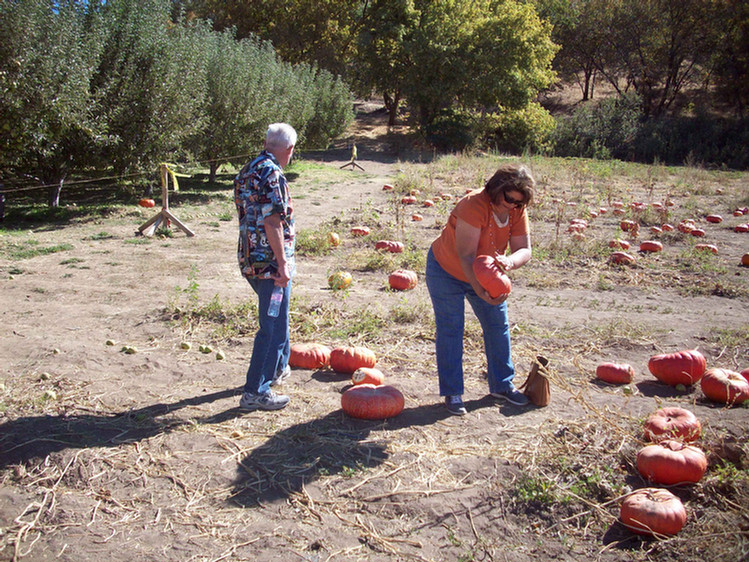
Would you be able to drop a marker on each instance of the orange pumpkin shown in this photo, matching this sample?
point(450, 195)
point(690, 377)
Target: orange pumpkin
point(682, 367)
point(745, 260)
point(711, 248)
point(672, 423)
point(665, 227)
point(651, 246)
point(622, 258)
point(389, 246)
point(745, 373)
point(371, 402)
point(368, 375)
point(491, 277)
point(334, 239)
point(715, 219)
point(147, 203)
point(698, 232)
point(615, 373)
point(627, 225)
point(347, 359)
point(653, 511)
point(408, 200)
point(360, 231)
point(671, 462)
point(741, 227)
point(725, 386)
point(403, 280)
point(620, 244)
point(309, 356)
point(428, 203)
point(416, 217)
point(387, 187)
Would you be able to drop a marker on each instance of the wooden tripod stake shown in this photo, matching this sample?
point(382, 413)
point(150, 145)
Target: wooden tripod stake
point(165, 215)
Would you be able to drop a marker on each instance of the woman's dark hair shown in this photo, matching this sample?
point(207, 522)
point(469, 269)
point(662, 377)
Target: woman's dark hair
point(511, 177)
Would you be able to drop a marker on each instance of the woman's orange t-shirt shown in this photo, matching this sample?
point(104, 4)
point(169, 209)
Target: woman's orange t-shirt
point(475, 209)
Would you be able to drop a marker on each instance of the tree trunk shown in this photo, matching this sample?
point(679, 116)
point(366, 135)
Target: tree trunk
point(391, 104)
point(54, 193)
point(2, 203)
point(213, 170)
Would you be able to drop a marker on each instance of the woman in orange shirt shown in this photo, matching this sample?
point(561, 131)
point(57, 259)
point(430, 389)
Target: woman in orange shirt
point(484, 222)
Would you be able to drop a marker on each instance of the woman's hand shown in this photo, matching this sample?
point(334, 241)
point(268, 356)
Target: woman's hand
point(504, 263)
point(481, 292)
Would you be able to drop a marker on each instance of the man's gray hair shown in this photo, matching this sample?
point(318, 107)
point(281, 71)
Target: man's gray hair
point(280, 136)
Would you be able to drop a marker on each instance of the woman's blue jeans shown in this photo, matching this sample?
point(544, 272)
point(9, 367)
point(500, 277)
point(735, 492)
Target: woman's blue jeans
point(270, 352)
point(448, 300)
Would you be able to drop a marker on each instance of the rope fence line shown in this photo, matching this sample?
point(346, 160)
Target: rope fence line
point(7, 191)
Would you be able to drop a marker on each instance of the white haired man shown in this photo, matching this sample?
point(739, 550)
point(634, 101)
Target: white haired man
point(266, 259)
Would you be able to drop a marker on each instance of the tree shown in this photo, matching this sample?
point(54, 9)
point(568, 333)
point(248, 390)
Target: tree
point(382, 60)
point(657, 47)
point(579, 28)
point(318, 32)
point(479, 54)
point(150, 83)
point(50, 125)
point(731, 56)
point(237, 106)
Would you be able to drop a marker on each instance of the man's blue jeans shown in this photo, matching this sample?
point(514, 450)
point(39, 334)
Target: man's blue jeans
point(270, 352)
point(448, 300)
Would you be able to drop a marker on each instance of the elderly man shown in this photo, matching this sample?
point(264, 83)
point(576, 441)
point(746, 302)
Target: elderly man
point(266, 260)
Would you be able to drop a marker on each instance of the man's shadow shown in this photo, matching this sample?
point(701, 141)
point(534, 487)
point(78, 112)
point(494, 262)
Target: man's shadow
point(35, 437)
point(333, 444)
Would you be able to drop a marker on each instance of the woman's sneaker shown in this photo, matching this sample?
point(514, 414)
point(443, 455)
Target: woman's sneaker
point(269, 401)
point(455, 405)
point(513, 396)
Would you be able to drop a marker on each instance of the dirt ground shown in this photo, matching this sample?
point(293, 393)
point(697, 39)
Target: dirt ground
point(106, 455)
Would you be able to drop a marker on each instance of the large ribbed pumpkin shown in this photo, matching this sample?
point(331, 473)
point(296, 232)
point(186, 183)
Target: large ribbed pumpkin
point(725, 386)
point(371, 402)
point(309, 356)
point(671, 462)
point(683, 367)
point(672, 423)
point(653, 511)
point(491, 277)
point(348, 359)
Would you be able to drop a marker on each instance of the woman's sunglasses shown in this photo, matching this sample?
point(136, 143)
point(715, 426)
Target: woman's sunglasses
point(511, 201)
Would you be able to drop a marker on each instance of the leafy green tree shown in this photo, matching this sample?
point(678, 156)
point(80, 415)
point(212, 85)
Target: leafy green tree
point(237, 106)
point(150, 83)
point(318, 32)
point(580, 29)
point(657, 47)
point(731, 55)
point(49, 123)
point(448, 53)
point(383, 57)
